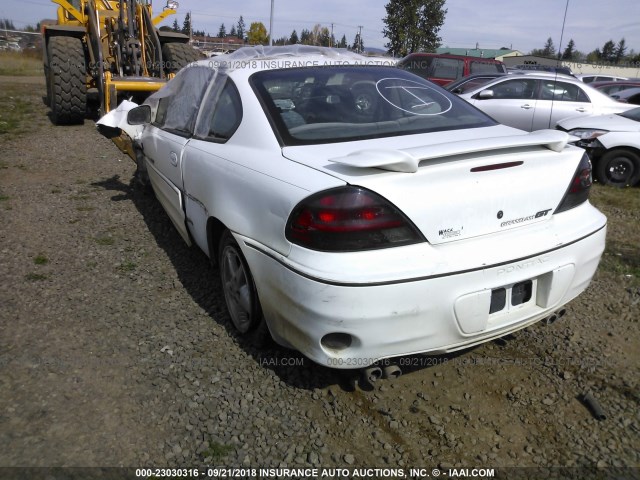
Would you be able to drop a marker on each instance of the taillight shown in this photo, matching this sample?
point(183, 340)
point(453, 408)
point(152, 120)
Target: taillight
point(578, 190)
point(347, 219)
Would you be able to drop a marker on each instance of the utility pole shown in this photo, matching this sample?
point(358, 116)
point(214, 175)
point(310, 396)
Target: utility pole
point(331, 37)
point(190, 28)
point(271, 25)
point(359, 39)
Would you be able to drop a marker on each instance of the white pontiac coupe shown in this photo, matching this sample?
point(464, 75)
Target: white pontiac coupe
point(360, 212)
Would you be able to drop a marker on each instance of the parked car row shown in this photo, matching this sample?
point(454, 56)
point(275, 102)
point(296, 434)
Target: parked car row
point(534, 102)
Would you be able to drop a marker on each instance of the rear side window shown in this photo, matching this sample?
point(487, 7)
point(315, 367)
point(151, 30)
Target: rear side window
point(449, 68)
point(227, 114)
point(485, 67)
point(221, 112)
point(562, 92)
point(418, 65)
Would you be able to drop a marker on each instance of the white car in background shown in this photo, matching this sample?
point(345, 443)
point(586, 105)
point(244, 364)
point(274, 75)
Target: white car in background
point(359, 212)
point(534, 102)
point(613, 143)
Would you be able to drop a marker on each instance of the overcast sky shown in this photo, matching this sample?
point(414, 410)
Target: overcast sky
point(520, 24)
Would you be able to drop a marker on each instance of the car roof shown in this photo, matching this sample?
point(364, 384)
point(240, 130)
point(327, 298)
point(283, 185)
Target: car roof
point(260, 57)
point(607, 83)
point(543, 76)
point(450, 55)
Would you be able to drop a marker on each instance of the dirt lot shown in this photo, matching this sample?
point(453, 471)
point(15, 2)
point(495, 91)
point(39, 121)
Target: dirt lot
point(116, 349)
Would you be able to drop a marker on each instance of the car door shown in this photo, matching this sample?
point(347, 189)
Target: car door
point(558, 100)
point(164, 142)
point(512, 103)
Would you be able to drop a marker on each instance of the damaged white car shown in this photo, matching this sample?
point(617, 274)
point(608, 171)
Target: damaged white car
point(613, 143)
point(358, 212)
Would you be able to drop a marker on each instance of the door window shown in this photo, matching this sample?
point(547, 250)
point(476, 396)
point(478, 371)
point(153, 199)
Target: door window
point(178, 102)
point(520, 89)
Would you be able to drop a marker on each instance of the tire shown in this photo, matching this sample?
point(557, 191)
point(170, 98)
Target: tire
point(67, 80)
point(239, 288)
point(175, 56)
point(619, 167)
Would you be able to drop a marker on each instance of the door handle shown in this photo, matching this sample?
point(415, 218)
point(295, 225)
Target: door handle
point(173, 158)
point(581, 109)
point(526, 106)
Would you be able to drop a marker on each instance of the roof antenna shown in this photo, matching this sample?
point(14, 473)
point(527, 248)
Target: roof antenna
point(553, 95)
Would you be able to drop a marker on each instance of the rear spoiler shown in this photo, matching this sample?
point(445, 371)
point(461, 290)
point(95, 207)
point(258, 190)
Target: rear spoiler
point(407, 160)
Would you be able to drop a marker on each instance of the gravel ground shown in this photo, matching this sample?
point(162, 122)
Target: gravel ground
point(116, 348)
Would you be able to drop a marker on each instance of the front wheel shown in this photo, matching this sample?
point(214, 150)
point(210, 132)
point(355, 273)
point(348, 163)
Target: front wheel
point(619, 167)
point(66, 80)
point(238, 286)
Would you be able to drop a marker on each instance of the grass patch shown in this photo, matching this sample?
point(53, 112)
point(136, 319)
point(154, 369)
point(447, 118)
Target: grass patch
point(217, 451)
point(127, 267)
point(4, 198)
point(92, 265)
point(16, 110)
point(40, 260)
point(21, 64)
point(603, 196)
point(104, 240)
point(56, 190)
point(82, 208)
point(622, 259)
point(35, 277)
point(3, 165)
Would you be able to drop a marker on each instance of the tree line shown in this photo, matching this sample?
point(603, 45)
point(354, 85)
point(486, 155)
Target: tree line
point(611, 53)
point(257, 34)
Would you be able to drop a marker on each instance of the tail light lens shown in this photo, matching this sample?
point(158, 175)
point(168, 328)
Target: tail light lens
point(578, 190)
point(347, 219)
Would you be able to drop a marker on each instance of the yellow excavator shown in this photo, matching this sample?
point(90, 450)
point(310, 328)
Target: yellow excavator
point(112, 46)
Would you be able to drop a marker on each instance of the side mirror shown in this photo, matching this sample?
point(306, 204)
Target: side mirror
point(484, 94)
point(139, 115)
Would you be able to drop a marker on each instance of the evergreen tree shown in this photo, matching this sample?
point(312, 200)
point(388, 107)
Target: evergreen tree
point(293, 39)
point(305, 37)
point(222, 32)
point(240, 31)
point(233, 32)
point(358, 44)
point(620, 50)
point(176, 27)
point(413, 25)
point(609, 52)
point(186, 25)
point(343, 42)
point(549, 49)
point(569, 51)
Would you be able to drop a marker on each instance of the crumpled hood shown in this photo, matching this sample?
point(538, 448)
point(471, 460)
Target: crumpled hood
point(611, 122)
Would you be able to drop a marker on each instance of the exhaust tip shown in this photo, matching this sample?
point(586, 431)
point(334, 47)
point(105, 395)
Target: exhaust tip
point(391, 372)
point(551, 319)
point(372, 374)
point(562, 312)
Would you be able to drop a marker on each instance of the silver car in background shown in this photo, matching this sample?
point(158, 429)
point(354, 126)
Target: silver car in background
point(534, 102)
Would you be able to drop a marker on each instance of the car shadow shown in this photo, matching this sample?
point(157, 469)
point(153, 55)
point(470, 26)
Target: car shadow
point(201, 281)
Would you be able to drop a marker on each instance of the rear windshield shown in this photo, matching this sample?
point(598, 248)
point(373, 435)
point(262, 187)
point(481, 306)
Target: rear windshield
point(344, 103)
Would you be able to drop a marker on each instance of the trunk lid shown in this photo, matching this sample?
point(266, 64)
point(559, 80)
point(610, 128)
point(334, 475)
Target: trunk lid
point(457, 184)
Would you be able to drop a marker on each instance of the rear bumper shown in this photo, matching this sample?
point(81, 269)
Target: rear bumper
point(436, 313)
